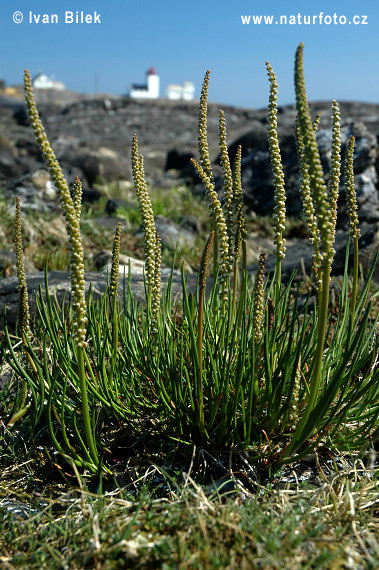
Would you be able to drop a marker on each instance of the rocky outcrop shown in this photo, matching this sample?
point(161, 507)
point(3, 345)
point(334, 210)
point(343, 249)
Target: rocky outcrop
point(101, 164)
point(257, 179)
point(172, 234)
point(92, 139)
point(8, 263)
point(299, 255)
point(59, 287)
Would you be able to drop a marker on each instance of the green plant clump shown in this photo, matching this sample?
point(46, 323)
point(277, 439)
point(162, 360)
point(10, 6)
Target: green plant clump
point(236, 366)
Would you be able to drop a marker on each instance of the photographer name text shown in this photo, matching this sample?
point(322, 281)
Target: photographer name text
point(68, 17)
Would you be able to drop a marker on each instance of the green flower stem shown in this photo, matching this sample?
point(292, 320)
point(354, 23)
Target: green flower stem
point(72, 216)
point(228, 184)
point(301, 433)
point(322, 318)
point(114, 332)
point(113, 295)
point(240, 231)
point(156, 298)
point(306, 197)
point(234, 292)
point(221, 230)
point(352, 208)
point(215, 264)
point(258, 304)
point(85, 409)
point(202, 284)
point(23, 312)
point(355, 279)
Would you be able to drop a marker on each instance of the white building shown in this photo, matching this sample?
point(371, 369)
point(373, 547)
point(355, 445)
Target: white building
point(184, 91)
point(43, 81)
point(148, 91)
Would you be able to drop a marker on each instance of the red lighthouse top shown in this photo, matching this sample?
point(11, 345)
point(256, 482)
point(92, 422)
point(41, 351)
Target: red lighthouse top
point(151, 71)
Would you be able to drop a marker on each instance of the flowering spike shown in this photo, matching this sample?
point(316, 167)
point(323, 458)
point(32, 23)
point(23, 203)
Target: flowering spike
point(70, 214)
point(23, 308)
point(335, 173)
point(241, 232)
point(293, 416)
point(205, 261)
point(316, 121)
point(305, 193)
point(351, 197)
point(221, 227)
point(156, 297)
point(258, 303)
point(146, 210)
point(115, 261)
point(228, 181)
point(77, 196)
point(277, 168)
point(202, 128)
point(312, 157)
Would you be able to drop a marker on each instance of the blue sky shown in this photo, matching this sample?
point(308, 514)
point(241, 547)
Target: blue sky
point(184, 39)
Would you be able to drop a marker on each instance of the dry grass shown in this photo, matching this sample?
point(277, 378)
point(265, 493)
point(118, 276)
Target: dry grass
point(324, 515)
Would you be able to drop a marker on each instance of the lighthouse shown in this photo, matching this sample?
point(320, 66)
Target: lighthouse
point(148, 91)
point(153, 83)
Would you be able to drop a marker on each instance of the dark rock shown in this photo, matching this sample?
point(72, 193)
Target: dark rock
point(107, 223)
point(257, 178)
point(8, 167)
point(91, 195)
point(103, 163)
point(365, 146)
point(180, 161)
point(366, 150)
point(8, 264)
point(171, 234)
point(198, 187)
point(113, 205)
point(21, 117)
point(93, 136)
point(299, 255)
point(27, 147)
point(257, 182)
point(368, 248)
point(191, 223)
point(254, 140)
point(103, 262)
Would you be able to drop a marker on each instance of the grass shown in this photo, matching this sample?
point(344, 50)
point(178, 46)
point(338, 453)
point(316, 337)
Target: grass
point(157, 521)
point(44, 236)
